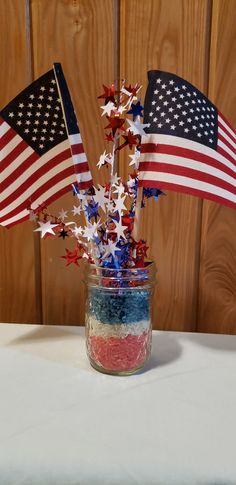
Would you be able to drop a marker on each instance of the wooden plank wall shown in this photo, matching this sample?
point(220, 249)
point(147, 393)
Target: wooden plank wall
point(193, 242)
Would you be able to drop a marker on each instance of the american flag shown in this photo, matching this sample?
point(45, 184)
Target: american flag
point(190, 147)
point(41, 151)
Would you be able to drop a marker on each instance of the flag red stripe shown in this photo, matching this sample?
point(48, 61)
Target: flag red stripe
point(185, 153)
point(81, 167)
point(186, 172)
point(13, 155)
point(226, 142)
point(35, 176)
point(187, 190)
point(227, 122)
point(39, 192)
point(85, 185)
point(77, 149)
point(222, 127)
point(1, 120)
point(7, 137)
point(225, 154)
point(47, 201)
point(14, 175)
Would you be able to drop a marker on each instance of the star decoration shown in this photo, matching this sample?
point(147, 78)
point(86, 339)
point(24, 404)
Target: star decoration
point(76, 210)
point(135, 159)
point(72, 257)
point(63, 214)
point(110, 248)
point(130, 140)
point(46, 228)
point(114, 179)
point(109, 93)
point(115, 124)
point(63, 233)
point(137, 127)
point(108, 108)
point(99, 197)
point(136, 110)
point(104, 158)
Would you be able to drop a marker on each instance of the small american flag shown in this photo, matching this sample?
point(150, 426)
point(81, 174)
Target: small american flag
point(41, 151)
point(190, 147)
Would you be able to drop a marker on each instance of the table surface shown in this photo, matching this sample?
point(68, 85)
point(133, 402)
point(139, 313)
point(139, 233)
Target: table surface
point(63, 423)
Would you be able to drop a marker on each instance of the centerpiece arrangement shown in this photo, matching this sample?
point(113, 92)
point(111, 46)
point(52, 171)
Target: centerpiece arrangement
point(118, 276)
point(187, 146)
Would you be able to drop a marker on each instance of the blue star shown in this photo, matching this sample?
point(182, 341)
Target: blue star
point(92, 210)
point(136, 110)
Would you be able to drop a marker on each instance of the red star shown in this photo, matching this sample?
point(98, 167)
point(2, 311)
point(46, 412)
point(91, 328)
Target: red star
point(132, 89)
point(115, 123)
point(130, 140)
point(109, 93)
point(72, 257)
point(109, 137)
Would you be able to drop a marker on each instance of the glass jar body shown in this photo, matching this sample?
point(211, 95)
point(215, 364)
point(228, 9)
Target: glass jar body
point(118, 318)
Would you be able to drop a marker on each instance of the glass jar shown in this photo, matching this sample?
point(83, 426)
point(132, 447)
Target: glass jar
point(118, 318)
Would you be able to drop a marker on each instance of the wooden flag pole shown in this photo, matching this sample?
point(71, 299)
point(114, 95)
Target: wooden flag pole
point(137, 213)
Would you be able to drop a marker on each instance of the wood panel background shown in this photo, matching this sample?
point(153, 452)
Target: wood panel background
point(97, 41)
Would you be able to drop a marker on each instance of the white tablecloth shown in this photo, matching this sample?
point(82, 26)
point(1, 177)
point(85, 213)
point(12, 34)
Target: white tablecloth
point(63, 423)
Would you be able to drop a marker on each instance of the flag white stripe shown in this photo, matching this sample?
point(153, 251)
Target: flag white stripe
point(7, 149)
point(40, 162)
point(232, 133)
point(83, 177)
point(187, 163)
point(16, 163)
point(41, 181)
point(191, 145)
point(4, 127)
point(226, 137)
point(79, 158)
point(44, 197)
point(187, 182)
point(226, 148)
point(75, 139)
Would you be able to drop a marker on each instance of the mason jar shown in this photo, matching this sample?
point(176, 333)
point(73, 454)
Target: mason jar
point(118, 318)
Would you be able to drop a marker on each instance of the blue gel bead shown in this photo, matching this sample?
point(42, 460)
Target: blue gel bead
point(123, 306)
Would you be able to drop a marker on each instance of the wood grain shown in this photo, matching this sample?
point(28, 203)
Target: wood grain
point(173, 36)
point(18, 302)
point(217, 284)
point(79, 34)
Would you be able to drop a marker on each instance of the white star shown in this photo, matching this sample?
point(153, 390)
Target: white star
point(173, 99)
point(159, 125)
point(168, 120)
point(210, 140)
point(31, 96)
point(161, 97)
point(184, 87)
point(163, 86)
point(135, 159)
point(158, 108)
point(119, 229)
point(171, 82)
point(186, 130)
point(137, 127)
point(151, 114)
point(171, 109)
point(119, 204)
point(20, 114)
point(189, 120)
point(179, 106)
point(42, 88)
point(181, 96)
point(103, 159)
point(115, 179)
point(91, 230)
point(62, 214)
point(99, 196)
point(77, 231)
point(176, 89)
point(199, 135)
point(165, 103)
point(172, 127)
point(21, 105)
point(158, 81)
point(76, 210)
point(119, 190)
point(156, 91)
point(11, 115)
point(111, 248)
point(46, 227)
point(176, 117)
point(153, 102)
point(108, 108)
point(181, 123)
point(168, 92)
point(184, 113)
